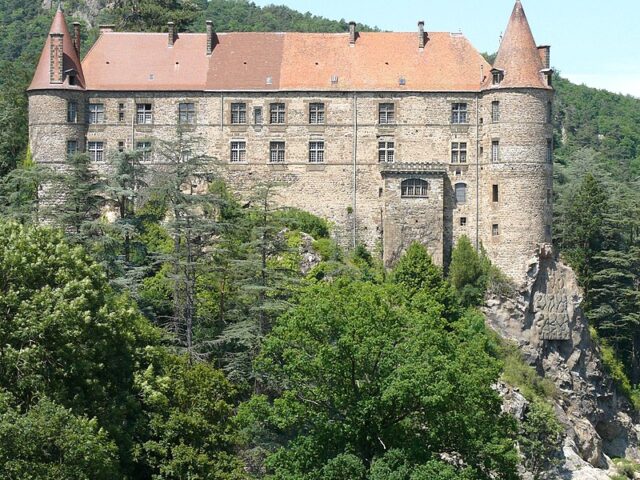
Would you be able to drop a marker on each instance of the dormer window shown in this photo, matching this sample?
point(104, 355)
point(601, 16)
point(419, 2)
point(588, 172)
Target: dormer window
point(72, 76)
point(498, 76)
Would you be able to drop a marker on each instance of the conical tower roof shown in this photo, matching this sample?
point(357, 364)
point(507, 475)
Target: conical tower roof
point(71, 60)
point(518, 56)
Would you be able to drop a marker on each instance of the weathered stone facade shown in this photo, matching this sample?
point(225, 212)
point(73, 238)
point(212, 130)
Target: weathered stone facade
point(499, 194)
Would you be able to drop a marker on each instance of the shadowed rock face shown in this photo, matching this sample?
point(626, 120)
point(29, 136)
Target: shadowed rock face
point(546, 320)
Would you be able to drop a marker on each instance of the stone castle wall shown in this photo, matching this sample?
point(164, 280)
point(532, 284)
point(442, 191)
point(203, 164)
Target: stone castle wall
point(349, 188)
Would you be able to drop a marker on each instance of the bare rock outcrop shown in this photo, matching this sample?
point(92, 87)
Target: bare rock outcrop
point(545, 319)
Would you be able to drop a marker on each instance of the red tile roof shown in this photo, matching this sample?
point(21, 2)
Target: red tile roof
point(518, 55)
point(297, 62)
point(71, 60)
point(285, 62)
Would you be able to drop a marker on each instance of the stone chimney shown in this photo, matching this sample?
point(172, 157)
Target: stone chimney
point(106, 28)
point(545, 55)
point(421, 39)
point(352, 33)
point(76, 37)
point(56, 62)
point(172, 33)
point(209, 37)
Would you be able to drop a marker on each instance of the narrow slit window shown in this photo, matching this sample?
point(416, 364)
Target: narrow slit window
point(496, 194)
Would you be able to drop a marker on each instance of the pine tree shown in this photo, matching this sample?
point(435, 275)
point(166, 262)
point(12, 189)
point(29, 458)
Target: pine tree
point(193, 214)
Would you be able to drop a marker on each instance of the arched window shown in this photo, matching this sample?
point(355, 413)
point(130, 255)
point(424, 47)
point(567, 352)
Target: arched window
point(414, 187)
point(461, 192)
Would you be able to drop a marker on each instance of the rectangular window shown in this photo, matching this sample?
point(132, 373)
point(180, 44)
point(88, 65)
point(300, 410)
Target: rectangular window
point(386, 151)
point(72, 147)
point(549, 151)
point(96, 151)
point(72, 111)
point(187, 113)
point(459, 113)
point(495, 151)
point(549, 112)
point(96, 113)
point(459, 152)
point(257, 115)
point(120, 146)
point(316, 152)
point(144, 113)
point(238, 151)
point(121, 113)
point(463, 221)
point(461, 192)
point(495, 112)
point(495, 229)
point(386, 113)
point(549, 196)
point(316, 113)
point(145, 148)
point(495, 194)
point(238, 113)
point(276, 112)
point(276, 151)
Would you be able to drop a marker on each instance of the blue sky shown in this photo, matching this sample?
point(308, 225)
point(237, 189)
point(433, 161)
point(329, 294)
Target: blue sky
point(592, 41)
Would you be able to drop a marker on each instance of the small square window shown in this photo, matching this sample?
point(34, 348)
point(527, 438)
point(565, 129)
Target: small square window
point(145, 148)
point(495, 230)
point(72, 147)
point(463, 221)
point(96, 151)
point(238, 151)
point(144, 113)
point(316, 152)
point(459, 152)
point(277, 113)
point(386, 113)
point(238, 113)
point(459, 113)
point(96, 113)
point(386, 151)
point(186, 113)
point(316, 113)
point(276, 152)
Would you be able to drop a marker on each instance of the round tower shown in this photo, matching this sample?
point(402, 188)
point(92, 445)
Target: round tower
point(57, 126)
point(517, 150)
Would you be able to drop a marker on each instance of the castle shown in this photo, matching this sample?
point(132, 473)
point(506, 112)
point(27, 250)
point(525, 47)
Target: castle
point(393, 137)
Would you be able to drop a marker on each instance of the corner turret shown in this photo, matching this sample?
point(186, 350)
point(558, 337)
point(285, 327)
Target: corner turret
point(519, 62)
point(59, 66)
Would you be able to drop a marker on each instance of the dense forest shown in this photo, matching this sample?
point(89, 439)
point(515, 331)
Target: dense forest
point(197, 336)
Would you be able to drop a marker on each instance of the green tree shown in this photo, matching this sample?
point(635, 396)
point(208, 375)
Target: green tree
point(49, 442)
point(188, 409)
point(65, 334)
point(468, 272)
point(540, 439)
point(357, 371)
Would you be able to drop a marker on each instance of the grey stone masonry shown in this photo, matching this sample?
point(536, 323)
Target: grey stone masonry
point(356, 180)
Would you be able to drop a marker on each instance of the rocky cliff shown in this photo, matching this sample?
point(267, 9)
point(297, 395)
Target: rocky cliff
point(546, 321)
